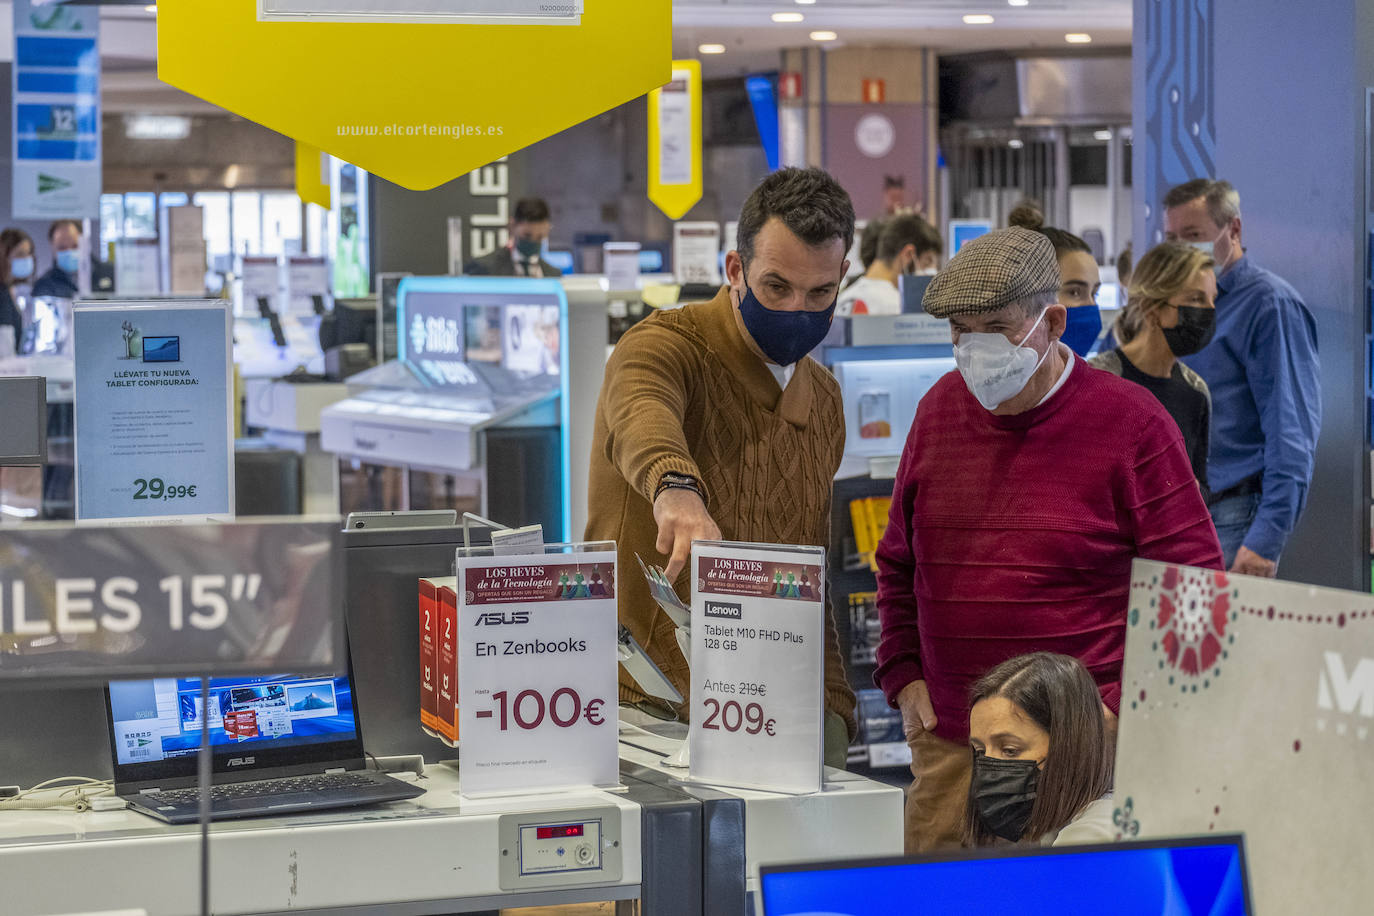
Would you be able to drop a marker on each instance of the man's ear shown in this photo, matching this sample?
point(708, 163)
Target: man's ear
point(1056, 319)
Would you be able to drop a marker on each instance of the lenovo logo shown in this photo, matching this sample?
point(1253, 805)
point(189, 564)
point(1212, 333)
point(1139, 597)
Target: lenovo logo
point(498, 619)
point(368, 445)
point(722, 609)
point(242, 761)
point(1339, 689)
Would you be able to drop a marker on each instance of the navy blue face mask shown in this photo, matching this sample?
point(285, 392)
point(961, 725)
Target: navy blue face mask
point(784, 337)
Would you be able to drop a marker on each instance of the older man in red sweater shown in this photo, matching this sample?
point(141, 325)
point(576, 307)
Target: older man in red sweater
point(1029, 483)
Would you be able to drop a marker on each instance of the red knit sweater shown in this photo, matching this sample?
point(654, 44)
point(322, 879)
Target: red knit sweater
point(1016, 534)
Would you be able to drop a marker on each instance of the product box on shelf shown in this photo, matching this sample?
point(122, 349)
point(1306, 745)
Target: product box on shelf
point(439, 657)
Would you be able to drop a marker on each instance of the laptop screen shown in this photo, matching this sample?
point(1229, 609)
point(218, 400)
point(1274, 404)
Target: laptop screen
point(1203, 877)
point(155, 725)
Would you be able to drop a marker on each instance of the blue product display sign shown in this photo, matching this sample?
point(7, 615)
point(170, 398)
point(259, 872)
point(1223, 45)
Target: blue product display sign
point(55, 117)
point(154, 417)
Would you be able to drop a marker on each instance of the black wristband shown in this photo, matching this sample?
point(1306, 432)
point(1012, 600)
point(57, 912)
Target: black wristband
point(678, 485)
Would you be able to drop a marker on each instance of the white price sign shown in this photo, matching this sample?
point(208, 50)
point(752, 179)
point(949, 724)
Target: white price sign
point(696, 252)
point(537, 692)
point(758, 623)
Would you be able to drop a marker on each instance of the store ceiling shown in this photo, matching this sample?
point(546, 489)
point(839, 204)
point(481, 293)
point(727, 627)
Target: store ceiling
point(752, 40)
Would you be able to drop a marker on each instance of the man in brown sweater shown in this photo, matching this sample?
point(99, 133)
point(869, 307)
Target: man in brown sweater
point(714, 424)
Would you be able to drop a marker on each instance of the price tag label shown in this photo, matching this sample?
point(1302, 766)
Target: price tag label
point(537, 693)
point(154, 411)
point(696, 253)
point(758, 617)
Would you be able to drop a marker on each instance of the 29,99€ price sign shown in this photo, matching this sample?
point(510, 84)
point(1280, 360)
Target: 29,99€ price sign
point(758, 617)
point(537, 695)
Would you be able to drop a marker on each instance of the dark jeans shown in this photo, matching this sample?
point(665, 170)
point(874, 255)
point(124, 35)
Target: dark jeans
point(1233, 517)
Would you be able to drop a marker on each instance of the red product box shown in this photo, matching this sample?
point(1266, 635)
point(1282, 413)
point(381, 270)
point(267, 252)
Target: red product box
point(446, 681)
point(429, 654)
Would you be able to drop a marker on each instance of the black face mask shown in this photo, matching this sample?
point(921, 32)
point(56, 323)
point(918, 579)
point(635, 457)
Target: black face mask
point(1195, 328)
point(1004, 791)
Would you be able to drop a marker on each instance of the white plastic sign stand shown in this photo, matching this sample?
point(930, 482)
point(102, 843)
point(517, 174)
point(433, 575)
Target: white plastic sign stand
point(621, 261)
point(537, 691)
point(758, 625)
point(154, 411)
point(696, 252)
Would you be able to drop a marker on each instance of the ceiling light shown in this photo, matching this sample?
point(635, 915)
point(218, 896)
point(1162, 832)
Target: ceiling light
point(1016, 144)
point(823, 36)
point(1018, 2)
point(710, 49)
point(978, 19)
point(157, 127)
point(150, 8)
point(788, 17)
point(1102, 135)
point(807, 2)
point(1078, 38)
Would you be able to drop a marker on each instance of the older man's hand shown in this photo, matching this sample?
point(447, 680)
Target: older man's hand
point(918, 715)
point(1249, 563)
point(682, 518)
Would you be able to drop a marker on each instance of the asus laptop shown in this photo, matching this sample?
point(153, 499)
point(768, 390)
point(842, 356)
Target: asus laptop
point(1203, 876)
point(280, 745)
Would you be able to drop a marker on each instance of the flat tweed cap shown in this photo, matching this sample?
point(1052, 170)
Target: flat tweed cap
point(993, 271)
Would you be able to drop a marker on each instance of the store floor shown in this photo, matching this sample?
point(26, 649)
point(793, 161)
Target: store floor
point(580, 909)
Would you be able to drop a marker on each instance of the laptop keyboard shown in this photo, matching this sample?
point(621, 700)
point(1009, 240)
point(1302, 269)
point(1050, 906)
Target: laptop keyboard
point(266, 788)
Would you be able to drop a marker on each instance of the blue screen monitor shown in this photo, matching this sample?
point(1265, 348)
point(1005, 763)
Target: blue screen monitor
point(963, 231)
point(650, 260)
point(561, 259)
point(162, 349)
point(1205, 876)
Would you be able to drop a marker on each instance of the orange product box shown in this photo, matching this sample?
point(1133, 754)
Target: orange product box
point(446, 694)
point(429, 654)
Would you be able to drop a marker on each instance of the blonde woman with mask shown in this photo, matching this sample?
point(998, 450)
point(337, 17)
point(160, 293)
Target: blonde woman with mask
point(1170, 313)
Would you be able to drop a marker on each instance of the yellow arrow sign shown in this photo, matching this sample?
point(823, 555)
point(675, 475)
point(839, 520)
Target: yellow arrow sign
point(417, 104)
point(675, 141)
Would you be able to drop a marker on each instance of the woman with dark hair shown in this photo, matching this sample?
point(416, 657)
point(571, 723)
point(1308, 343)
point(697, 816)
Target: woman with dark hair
point(1042, 755)
point(16, 266)
point(1079, 278)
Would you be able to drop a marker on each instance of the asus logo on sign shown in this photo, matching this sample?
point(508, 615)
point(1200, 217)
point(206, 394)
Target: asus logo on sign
point(496, 619)
point(242, 761)
point(1339, 689)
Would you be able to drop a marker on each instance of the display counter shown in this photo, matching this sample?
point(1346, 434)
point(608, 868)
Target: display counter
point(852, 816)
point(436, 854)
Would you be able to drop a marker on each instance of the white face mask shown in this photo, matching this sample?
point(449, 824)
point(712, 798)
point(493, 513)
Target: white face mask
point(1210, 249)
point(995, 369)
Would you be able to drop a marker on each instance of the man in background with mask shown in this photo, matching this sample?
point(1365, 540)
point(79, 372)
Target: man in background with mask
point(529, 230)
point(1028, 485)
point(1261, 368)
point(60, 282)
point(908, 245)
point(713, 423)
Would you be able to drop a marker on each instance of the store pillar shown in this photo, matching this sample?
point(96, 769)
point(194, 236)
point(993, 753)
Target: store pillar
point(1275, 100)
point(863, 114)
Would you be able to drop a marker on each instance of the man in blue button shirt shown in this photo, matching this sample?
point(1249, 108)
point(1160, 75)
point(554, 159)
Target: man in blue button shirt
point(60, 282)
point(1261, 367)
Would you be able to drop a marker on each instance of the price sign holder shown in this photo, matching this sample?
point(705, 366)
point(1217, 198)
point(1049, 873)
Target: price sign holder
point(758, 626)
point(154, 411)
point(537, 688)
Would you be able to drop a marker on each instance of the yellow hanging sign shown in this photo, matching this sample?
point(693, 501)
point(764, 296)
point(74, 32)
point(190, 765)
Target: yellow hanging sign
point(415, 103)
point(312, 175)
point(675, 141)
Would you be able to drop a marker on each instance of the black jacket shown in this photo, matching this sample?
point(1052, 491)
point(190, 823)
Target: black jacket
point(501, 263)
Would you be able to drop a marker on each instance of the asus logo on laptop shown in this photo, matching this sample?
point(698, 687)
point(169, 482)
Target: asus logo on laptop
point(242, 761)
